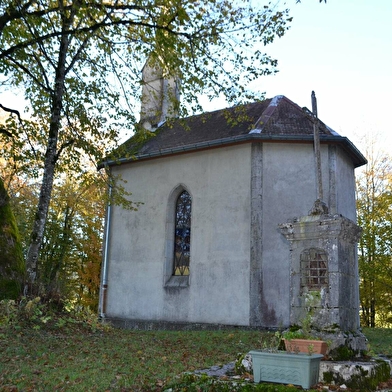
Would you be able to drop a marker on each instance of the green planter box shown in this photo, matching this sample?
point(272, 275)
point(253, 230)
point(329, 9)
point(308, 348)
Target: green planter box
point(284, 368)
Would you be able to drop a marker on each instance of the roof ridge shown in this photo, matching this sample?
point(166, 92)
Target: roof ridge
point(267, 113)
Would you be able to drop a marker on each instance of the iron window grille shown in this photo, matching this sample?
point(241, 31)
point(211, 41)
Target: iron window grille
point(314, 269)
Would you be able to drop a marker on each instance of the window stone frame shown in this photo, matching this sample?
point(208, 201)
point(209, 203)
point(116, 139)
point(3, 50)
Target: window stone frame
point(171, 280)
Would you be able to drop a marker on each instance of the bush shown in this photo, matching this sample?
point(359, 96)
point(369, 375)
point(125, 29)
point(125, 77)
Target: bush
point(37, 314)
point(23, 313)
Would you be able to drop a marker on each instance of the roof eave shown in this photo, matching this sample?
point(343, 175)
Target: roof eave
point(356, 156)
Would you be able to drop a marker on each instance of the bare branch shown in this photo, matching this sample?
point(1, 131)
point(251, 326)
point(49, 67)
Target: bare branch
point(5, 132)
point(13, 111)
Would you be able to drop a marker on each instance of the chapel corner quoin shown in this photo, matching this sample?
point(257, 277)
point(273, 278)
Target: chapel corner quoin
point(240, 220)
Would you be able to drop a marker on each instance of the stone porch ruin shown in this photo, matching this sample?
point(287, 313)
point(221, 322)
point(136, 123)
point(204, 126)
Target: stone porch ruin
point(324, 281)
point(324, 277)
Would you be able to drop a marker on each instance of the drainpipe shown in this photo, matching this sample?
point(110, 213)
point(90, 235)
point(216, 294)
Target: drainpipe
point(104, 274)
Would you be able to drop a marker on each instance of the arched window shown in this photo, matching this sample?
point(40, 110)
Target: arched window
point(314, 269)
point(182, 234)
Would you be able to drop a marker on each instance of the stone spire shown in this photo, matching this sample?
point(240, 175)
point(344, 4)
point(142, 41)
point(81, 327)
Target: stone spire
point(160, 95)
point(319, 207)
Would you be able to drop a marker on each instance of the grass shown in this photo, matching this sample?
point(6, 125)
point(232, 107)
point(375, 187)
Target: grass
point(71, 356)
point(380, 340)
point(111, 360)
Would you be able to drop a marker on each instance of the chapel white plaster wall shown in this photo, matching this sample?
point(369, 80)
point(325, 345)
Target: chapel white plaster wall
point(289, 191)
point(345, 186)
point(219, 183)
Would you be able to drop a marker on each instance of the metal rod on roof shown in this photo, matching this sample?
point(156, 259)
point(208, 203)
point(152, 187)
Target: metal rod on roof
point(317, 154)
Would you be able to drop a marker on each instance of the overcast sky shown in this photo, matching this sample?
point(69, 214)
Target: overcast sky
point(343, 51)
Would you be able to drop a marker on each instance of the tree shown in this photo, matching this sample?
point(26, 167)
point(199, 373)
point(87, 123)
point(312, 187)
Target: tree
point(70, 258)
point(69, 266)
point(12, 266)
point(79, 64)
point(374, 201)
point(11, 261)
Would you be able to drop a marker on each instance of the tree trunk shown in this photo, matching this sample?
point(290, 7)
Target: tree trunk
point(373, 313)
point(51, 157)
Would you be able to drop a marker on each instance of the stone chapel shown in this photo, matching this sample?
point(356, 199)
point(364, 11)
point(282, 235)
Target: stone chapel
point(231, 230)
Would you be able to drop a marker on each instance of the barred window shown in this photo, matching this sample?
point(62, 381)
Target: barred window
point(182, 234)
point(314, 269)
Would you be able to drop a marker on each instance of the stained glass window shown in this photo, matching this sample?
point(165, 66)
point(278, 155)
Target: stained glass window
point(182, 233)
point(314, 269)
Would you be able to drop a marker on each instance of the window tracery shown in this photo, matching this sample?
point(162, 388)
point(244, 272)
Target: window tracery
point(182, 234)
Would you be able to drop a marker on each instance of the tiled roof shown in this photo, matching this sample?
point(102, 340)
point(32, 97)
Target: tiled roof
point(277, 119)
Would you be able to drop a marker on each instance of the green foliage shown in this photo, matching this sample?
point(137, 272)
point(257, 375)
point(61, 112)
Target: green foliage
point(342, 353)
point(12, 267)
point(69, 266)
point(291, 334)
point(271, 342)
point(79, 67)
point(37, 314)
point(374, 198)
point(71, 250)
point(203, 383)
point(380, 340)
point(23, 313)
point(239, 367)
point(304, 329)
